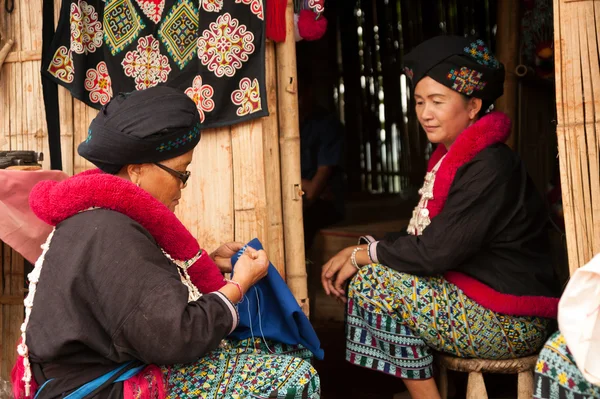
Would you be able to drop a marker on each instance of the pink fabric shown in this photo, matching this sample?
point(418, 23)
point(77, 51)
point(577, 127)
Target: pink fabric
point(54, 202)
point(19, 227)
point(498, 302)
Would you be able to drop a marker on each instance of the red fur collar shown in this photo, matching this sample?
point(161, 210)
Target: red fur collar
point(491, 129)
point(54, 202)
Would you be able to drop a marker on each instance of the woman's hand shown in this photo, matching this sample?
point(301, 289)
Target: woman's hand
point(252, 266)
point(335, 273)
point(222, 256)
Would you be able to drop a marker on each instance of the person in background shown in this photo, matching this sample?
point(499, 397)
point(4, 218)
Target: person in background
point(321, 158)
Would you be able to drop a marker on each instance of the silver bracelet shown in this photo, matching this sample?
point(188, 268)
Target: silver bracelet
point(353, 256)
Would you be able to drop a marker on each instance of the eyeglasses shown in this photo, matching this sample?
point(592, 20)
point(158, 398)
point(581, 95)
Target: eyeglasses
point(183, 176)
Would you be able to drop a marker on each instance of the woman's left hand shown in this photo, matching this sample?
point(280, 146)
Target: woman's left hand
point(336, 272)
point(222, 256)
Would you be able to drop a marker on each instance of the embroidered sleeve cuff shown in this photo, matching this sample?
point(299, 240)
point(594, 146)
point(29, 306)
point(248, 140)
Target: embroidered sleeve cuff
point(373, 252)
point(234, 313)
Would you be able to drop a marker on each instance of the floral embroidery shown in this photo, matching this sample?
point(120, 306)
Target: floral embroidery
point(97, 82)
point(225, 46)
point(61, 66)
point(187, 137)
point(122, 25)
point(256, 6)
point(481, 54)
point(247, 97)
point(466, 80)
point(316, 5)
point(145, 64)
point(86, 30)
point(202, 96)
point(211, 5)
point(153, 9)
point(178, 32)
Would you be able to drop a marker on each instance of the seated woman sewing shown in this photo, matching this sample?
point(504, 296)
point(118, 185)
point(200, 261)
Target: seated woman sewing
point(472, 277)
point(123, 302)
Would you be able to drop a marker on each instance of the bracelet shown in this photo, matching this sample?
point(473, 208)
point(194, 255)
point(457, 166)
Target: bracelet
point(353, 256)
point(239, 287)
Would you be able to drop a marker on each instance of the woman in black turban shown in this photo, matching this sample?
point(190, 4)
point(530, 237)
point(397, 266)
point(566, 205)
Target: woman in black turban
point(471, 274)
point(123, 302)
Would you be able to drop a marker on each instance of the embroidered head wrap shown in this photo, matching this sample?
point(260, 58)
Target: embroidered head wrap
point(144, 126)
point(463, 64)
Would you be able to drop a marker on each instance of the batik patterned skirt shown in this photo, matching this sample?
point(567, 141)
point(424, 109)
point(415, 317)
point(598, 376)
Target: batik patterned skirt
point(557, 375)
point(395, 321)
point(250, 368)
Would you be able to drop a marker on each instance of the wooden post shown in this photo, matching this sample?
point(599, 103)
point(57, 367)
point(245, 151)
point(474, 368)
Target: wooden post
point(507, 51)
point(289, 143)
point(578, 129)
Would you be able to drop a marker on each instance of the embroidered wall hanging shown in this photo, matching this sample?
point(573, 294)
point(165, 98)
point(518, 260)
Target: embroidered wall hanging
point(211, 49)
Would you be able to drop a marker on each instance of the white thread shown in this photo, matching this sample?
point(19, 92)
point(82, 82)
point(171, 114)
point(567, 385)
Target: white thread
point(260, 321)
point(22, 348)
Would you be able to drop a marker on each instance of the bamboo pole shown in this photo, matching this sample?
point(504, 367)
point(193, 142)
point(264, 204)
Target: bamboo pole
point(290, 163)
point(578, 98)
point(272, 165)
point(507, 37)
point(5, 51)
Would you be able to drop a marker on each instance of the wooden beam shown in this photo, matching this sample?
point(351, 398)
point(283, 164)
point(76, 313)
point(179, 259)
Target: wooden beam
point(507, 52)
point(290, 163)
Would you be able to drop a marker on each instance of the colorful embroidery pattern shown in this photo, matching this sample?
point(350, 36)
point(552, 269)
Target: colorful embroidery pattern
point(246, 369)
point(409, 72)
point(211, 5)
point(466, 80)
point(153, 9)
point(98, 83)
point(256, 6)
point(86, 30)
point(61, 66)
point(247, 97)
point(122, 24)
point(225, 46)
point(172, 144)
point(146, 65)
point(316, 5)
point(395, 320)
point(202, 96)
point(482, 54)
point(557, 375)
point(178, 32)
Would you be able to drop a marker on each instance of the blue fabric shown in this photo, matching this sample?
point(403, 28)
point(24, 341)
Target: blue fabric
point(270, 310)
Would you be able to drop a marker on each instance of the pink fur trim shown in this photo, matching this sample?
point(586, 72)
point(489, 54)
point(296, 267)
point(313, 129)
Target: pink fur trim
point(491, 129)
point(139, 386)
point(504, 303)
point(54, 202)
point(16, 380)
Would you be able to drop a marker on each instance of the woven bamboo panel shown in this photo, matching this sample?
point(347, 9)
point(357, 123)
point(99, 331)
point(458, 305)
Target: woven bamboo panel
point(576, 38)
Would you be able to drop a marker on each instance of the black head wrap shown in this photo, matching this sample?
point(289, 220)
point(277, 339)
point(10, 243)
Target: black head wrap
point(463, 64)
point(144, 126)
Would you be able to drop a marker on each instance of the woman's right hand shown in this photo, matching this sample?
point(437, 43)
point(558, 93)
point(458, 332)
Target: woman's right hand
point(251, 267)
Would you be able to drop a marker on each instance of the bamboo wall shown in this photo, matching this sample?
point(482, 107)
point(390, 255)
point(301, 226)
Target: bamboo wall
point(234, 193)
point(576, 36)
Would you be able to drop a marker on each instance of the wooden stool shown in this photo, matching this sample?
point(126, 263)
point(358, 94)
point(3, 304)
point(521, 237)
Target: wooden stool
point(476, 367)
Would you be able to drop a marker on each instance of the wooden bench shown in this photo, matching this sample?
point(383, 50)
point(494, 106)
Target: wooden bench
point(476, 367)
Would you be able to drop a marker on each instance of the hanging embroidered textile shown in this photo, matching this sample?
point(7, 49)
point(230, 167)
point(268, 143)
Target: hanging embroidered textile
point(211, 49)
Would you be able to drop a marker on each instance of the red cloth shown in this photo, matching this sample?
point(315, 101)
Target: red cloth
point(19, 227)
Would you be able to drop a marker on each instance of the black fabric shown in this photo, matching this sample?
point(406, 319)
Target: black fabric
point(492, 228)
point(108, 295)
point(141, 127)
point(212, 50)
point(463, 64)
point(50, 89)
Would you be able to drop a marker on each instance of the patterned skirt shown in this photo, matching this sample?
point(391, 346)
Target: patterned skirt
point(250, 368)
point(557, 375)
point(395, 321)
